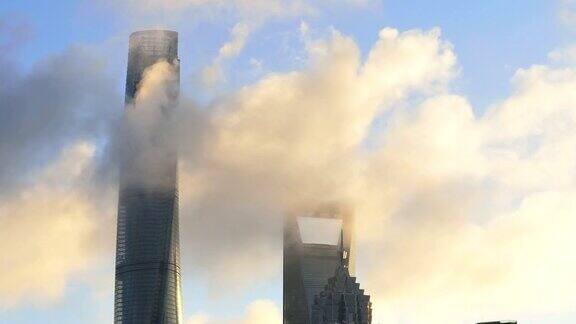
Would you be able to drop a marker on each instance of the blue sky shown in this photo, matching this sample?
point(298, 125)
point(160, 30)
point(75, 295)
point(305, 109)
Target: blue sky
point(492, 40)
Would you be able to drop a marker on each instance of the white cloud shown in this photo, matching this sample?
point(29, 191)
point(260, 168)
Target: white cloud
point(46, 232)
point(247, 15)
point(566, 55)
point(567, 13)
point(455, 211)
point(293, 139)
point(214, 74)
point(242, 10)
point(477, 207)
point(261, 311)
point(200, 318)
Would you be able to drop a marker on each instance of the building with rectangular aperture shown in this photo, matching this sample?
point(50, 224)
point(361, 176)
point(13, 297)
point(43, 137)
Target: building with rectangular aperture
point(310, 259)
point(147, 285)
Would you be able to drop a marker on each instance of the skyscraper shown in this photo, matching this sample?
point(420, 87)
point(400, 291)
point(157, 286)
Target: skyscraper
point(342, 301)
point(308, 265)
point(147, 250)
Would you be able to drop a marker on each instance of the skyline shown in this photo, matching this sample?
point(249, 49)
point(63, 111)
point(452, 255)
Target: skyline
point(449, 134)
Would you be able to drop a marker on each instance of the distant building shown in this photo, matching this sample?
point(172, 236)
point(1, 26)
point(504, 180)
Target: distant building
point(342, 302)
point(147, 286)
point(309, 265)
point(500, 322)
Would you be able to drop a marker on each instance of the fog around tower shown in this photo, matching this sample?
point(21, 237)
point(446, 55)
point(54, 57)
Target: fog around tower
point(457, 212)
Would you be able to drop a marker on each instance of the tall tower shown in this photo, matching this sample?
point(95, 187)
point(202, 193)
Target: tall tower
point(342, 301)
point(148, 288)
point(308, 265)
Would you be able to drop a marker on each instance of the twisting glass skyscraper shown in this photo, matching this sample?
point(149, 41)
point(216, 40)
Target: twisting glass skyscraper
point(147, 253)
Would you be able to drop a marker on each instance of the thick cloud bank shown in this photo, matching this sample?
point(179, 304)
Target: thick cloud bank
point(46, 232)
point(54, 173)
point(459, 215)
point(259, 311)
point(63, 98)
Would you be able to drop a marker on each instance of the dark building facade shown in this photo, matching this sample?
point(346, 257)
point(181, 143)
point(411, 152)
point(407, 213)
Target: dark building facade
point(147, 285)
point(342, 301)
point(309, 266)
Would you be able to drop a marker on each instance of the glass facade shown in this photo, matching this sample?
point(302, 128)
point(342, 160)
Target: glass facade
point(342, 301)
point(148, 287)
point(295, 306)
point(309, 266)
point(318, 264)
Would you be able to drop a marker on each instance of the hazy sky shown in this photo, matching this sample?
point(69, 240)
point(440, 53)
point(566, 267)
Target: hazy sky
point(447, 126)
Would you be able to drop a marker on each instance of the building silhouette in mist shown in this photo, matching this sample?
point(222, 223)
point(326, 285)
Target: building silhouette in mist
point(500, 322)
point(147, 285)
point(311, 267)
point(342, 301)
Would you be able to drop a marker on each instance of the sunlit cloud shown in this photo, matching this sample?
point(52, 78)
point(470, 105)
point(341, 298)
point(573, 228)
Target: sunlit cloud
point(46, 232)
point(259, 311)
